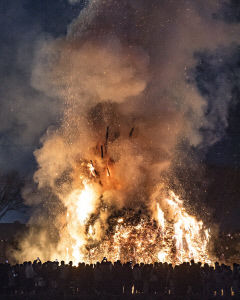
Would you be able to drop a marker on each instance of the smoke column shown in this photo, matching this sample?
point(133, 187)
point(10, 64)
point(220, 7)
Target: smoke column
point(122, 75)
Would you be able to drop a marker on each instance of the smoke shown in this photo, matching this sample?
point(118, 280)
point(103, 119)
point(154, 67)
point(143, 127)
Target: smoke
point(124, 71)
point(25, 113)
point(137, 55)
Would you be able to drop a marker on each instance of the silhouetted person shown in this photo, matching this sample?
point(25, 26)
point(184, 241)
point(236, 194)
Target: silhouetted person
point(137, 278)
point(117, 278)
point(128, 278)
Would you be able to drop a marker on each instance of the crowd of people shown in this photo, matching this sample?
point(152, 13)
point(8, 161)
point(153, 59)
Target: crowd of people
point(108, 280)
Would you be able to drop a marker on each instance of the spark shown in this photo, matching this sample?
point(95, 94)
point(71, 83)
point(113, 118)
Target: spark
point(91, 169)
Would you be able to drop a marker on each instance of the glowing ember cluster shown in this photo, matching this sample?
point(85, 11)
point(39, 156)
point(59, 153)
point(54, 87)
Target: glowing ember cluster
point(167, 233)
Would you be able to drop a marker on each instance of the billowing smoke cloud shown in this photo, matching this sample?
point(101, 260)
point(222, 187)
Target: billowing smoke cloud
point(123, 75)
point(126, 65)
point(25, 112)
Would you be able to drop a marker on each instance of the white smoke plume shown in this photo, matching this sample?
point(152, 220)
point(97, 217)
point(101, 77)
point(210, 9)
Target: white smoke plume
point(136, 55)
point(122, 71)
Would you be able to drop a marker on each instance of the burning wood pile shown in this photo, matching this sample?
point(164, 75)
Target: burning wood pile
point(94, 228)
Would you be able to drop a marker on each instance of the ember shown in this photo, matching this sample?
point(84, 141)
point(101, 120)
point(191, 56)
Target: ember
point(172, 236)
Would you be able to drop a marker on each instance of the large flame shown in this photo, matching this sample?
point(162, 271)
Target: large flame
point(169, 234)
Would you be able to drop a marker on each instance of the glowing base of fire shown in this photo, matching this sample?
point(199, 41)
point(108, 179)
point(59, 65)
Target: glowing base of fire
point(171, 236)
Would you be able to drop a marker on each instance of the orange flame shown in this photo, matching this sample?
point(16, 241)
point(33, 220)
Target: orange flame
point(170, 235)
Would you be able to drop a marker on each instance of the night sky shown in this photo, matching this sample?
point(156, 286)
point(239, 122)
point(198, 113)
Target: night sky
point(26, 113)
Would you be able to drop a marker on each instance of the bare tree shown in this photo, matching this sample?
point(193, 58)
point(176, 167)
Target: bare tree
point(10, 193)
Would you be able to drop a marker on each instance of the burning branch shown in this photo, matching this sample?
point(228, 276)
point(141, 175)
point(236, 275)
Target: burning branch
point(131, 132)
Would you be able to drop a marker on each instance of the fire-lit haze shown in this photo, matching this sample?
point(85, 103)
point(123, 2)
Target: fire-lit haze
point(122, 75)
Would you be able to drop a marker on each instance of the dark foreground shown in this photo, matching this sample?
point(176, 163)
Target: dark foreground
point(52, 296)
point(51, 280)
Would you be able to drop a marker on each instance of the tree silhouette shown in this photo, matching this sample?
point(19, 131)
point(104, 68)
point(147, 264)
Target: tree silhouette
point(10, 193)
